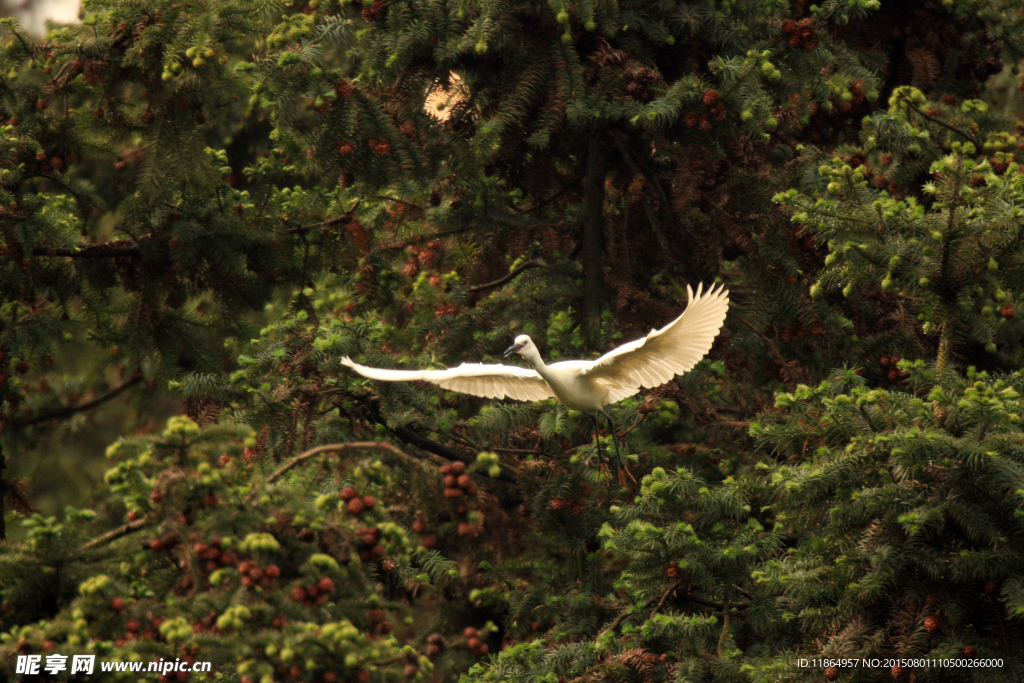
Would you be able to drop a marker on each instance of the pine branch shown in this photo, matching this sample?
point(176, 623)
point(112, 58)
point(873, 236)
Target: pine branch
point(409, 436)
point(592, 227)
point(725, 622)
point(68, 411)
point(440, 453)
point(398, 246)
point(791, 366)
point(399, 201)
point(545, 202)
point(945, 125)
point(114, 534)
point(3, 495)
point(331, 448)
point(634, 167)
point(347, 216)
point(532, 263)
point(371, 413)
point(114, 249)
point(622, 617)
point(664, 597)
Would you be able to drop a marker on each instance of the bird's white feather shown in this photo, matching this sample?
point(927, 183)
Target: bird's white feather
point(586, 385)
point(673, 350)
point(487, 381)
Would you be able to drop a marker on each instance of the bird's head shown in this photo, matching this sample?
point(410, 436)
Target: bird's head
point(521, 342)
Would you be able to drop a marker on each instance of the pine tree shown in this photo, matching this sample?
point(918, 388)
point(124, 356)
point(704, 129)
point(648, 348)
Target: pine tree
point(589, 159)
point(913, 500)
point(949, 248)
point(127, 233)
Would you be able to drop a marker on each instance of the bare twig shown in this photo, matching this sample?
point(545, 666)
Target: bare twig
point(634, 167)
point(966, 136)
point(399, 201)
point(550, 199)
point(327, 223)
point(716, 605)
point(114, 249)
point(114, 534)
point(622, 617)
point(743, 591)
point(398, 246)
point(334, 447)
point(518, 451)
point(779, 358)
point(68, 411)
point(727, 408)
point(438, 452)
point(664, 597)
point(722, 639)
point(532, 263)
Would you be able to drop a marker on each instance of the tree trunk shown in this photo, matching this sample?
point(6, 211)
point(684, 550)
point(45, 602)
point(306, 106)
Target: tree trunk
point(3, 496)
point(593, 239)
point(942, 361)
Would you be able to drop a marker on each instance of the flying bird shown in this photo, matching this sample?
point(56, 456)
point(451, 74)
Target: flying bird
point(586, 385)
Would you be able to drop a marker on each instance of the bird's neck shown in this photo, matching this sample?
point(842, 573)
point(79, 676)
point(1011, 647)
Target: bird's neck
point(533, 358)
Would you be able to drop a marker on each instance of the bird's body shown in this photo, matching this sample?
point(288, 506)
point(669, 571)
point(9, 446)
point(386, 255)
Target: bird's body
point(570, 385)
point(586, 385)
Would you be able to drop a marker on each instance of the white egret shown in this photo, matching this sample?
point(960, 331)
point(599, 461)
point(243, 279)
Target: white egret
point(586, 385)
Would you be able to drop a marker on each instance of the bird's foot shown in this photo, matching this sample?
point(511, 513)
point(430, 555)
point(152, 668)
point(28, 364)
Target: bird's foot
point(623, 473)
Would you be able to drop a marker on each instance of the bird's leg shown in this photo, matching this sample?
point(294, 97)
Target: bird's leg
point(601, 464)
point(618, 454)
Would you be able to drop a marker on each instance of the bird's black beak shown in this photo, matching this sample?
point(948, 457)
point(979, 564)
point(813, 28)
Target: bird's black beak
point(512, 349)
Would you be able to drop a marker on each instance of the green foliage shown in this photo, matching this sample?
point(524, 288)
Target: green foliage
point(949, 248)
point(250, 570)
point(905, 508)
point(413, 184)
point(683, 602)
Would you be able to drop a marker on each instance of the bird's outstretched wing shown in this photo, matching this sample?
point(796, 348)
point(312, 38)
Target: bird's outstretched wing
point(662, 354)
point(488, 381)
